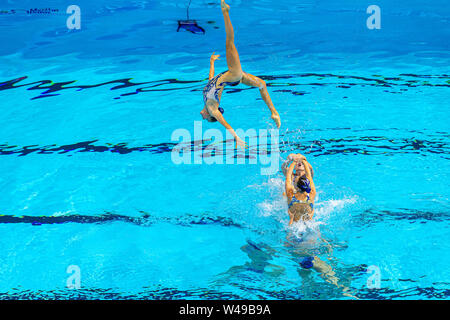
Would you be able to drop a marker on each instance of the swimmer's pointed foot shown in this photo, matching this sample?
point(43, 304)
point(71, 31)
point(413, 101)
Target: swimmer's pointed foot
point(276, 118)
point(224, 6)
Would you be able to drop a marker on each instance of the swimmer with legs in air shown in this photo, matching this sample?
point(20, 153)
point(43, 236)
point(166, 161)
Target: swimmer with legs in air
point(233, 76)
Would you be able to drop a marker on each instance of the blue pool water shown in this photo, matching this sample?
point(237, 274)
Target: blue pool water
point(87, 177)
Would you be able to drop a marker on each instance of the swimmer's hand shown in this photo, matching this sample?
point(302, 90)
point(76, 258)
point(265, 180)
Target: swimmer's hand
point(214, 57)
point(296, 157)
point(240, 143)
point(276, 118)
point(224, 6)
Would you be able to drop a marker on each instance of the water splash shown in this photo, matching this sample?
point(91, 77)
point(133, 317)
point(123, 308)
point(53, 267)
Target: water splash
point(276, 206)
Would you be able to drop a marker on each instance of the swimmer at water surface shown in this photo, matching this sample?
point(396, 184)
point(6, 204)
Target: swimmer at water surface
point(233, 76)
point(300, 189)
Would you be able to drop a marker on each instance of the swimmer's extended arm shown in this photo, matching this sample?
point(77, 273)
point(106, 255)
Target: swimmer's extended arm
point(213, 58)
point(219, 117)
point(288, 184)
point(312, 194)
point(289, 188)
point(307, 166)
point(285, 166)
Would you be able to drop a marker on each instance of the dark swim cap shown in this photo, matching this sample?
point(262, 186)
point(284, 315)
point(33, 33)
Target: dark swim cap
point(304, 185)
point(221, 111)
point(307, 262)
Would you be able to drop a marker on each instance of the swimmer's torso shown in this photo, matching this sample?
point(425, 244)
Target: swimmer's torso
point(300, 206)
point(213, 90)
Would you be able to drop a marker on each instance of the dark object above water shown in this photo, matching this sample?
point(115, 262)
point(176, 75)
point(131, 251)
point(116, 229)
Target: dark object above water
point(191, 26)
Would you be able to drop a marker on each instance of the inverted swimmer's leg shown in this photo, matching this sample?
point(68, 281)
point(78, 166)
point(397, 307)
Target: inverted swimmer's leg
point(233, 62)
point(253, 81)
